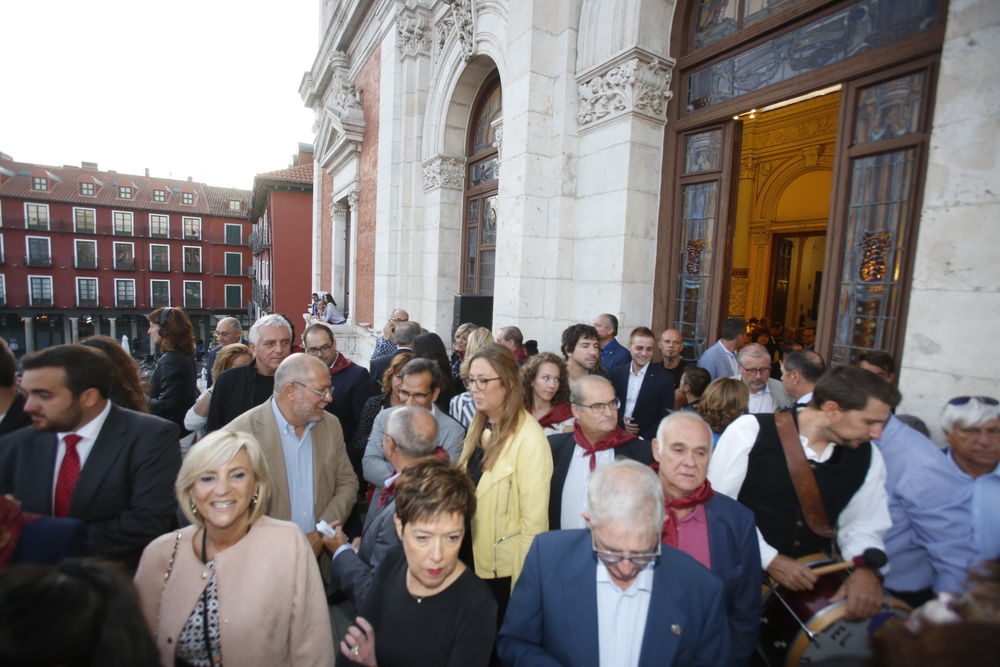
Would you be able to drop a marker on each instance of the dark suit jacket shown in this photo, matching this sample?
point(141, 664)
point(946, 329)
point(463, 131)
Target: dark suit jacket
point(552, 616)
point(351, 388)
point(655, 400)
point(732, 543)
point(379, 365)
point(212, 354)
point(232, 396)
point(562, 445)
point(352, 572)
point(125, 492)
point(15, 417)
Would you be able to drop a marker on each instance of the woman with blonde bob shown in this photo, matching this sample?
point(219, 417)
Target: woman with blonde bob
point(723, 401)
point(255, 576)
point(508, 457)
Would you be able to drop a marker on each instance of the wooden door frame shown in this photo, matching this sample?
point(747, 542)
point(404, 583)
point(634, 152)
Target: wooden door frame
point(772, 269)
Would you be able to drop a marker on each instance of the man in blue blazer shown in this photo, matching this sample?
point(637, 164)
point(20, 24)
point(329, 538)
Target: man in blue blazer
point(715, 530)
point(611, 594)
point(613, 353)
point(645, 391)
point(720, 359)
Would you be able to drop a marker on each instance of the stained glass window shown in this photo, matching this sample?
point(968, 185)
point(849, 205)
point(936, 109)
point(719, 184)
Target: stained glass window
point(703, 152)
point(758, 10)
point(716, 19)
point(890, 109)
point(484, 172)
point(855, 29)
point(485, 132)
point(490, 220)
point(473, 256)
point(700, 203)
point(879, 207)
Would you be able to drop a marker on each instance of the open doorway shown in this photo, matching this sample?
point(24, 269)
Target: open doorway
point(796, 278)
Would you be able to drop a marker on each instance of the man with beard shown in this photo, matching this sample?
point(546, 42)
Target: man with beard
point(312, 477)
point(88, 459)
point(849, 408)
point(582, 350)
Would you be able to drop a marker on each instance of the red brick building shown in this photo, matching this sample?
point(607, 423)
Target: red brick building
point(281, 213)
point(85, 251)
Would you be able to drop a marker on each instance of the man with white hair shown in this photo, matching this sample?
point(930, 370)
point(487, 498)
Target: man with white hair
point(244, 387)
point(767, 395)
point(715, 530)
point(971, 425)
point(612, 594)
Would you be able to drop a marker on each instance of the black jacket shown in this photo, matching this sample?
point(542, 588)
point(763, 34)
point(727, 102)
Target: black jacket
point(232, 395)
point(380, 365)
point(171, 389)
point(15, 417)
point(351, 388)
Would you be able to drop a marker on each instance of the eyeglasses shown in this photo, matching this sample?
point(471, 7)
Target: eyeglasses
point(403, 395)
point(397, 320)
point(326, 393)
point(318, 351)
point(479, 383)
point(599, 408)
point(614, 558)
point(985, 400)
point(756, 371)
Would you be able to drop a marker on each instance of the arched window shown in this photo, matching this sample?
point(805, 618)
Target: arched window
point(480, 232)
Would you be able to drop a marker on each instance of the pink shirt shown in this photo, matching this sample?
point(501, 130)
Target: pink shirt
point(692, 536)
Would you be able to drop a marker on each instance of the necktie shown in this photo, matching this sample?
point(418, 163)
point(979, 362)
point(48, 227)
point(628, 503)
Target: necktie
point(69, 471)
point(387, 493)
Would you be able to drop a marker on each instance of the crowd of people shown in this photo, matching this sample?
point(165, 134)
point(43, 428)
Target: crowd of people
point(602, 504)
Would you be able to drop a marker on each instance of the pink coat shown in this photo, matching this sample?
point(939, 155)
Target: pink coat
point(272, 605)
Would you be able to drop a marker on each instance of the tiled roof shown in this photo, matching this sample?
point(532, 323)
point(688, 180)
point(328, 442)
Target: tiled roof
point(208, 200)
point(302, 173)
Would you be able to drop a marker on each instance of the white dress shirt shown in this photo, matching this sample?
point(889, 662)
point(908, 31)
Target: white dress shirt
point(621, 617)
point(634, 385)
point(762, 402)
point(574, 493)
point(88, 436)
point(804, 399)
point(861, 525)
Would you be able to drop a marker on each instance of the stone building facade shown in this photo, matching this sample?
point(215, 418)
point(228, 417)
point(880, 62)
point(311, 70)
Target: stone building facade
point(832, 162)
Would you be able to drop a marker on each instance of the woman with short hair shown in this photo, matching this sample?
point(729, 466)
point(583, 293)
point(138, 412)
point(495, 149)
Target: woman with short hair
point(171, 388)
point(458, 349)
point(236, 587)
point(724, 400)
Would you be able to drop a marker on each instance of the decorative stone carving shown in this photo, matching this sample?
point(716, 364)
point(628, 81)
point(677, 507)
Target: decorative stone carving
point(639, 85)
point(352, 200)
point(761, 237)
point(443, 171)
point(342, 94)
point(462, 20)
point(739, 288)
point(498, 143)
point(414, 34)
point(747, 167)
point(811, 155)
point(338, 212)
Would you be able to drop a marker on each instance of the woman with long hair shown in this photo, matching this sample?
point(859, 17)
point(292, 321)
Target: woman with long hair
point(545, 383)
point(330, 313)
point(462, 407)
point(171, 388)
point(430, 346)
point(723, 401)
point(458, 349)
point(508, 457)
point(126, 388)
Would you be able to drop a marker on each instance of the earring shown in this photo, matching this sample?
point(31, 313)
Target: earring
point(256, 497)
point(194, 510)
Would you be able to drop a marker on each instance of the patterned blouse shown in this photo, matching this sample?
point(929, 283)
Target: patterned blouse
point(191, 649)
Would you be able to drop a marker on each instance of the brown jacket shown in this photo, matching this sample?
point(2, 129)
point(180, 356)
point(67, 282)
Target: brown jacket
point(335, 486)
point(272, 604)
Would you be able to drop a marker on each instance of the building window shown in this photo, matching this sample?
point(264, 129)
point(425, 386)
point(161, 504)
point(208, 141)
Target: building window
point(86, 254)
point(159, 257)
point(86, 291)
point(192, 229)
point(234, 205)
point(234, 264)
point(123, 223)
point(41, 290)
point(159, 196)
point(36, 216)
point(124, 192)
point(125, 293)
point(159, 293)
point(84, 219)
point(481, 212)
point(39, 183)
point(39, 251)
point(187, 199)
point(159, 226)
point(192, 259)
point(87, 189)
point(3, 290)
point(234, 234)
point(125, 256)
point(234, 296)
point(192, 294)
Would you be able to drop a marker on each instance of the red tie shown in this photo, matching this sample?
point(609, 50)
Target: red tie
point(69, 471)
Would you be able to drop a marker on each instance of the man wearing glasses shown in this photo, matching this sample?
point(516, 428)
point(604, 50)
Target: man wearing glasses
point(386, 344)
point(350, 382)
point(594, 443)
point(227, 331)
point(767, 395)
point(311, 475)
point(611, 594)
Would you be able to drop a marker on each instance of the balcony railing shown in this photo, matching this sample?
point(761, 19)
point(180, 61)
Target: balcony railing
point(258, 242)
point(38, 226)
point(223, 304)
point(192, 268)
point(38, 260)
point(125, 303)
point(159, 266)
point(84, 263)
point(41, 301)
point(87, 302)
point(125, 265)
point(138, 230)
point(190, 302)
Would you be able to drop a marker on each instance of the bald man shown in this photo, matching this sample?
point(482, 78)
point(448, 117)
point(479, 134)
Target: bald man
point(227, 331)
point(671, 345)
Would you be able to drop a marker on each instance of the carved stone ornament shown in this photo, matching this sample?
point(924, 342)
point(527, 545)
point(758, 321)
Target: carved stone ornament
point(461, 18)
point(352, 200)
point(414, 35)
point(444, 172)
point(343, 94)
point(337, 210)
point(747, 166)
point(498, 144)
point(637, 86)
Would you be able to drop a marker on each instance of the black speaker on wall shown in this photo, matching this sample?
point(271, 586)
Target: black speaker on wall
point(475, 308)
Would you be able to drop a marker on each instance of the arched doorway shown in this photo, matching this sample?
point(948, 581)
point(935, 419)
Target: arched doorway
point(480, 220)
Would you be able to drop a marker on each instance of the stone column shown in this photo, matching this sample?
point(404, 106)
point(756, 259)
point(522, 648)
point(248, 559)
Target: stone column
point(339, 273)
point(69, 330)
point(113, 323)
point(29, 334)
point(351, 271)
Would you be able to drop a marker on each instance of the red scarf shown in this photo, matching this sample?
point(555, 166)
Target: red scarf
point(671, 535)
point(617, 437)
point(556, 415)
point(340, 363)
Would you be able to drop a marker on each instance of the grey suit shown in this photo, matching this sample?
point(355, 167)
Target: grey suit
point(778, 393)
point(716, 361)
point(451, 436)
point(352, 572)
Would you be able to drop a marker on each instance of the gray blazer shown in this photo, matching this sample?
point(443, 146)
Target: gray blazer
point(451, 436)
point(715, 361)
point(352, 572)
point(778, 393)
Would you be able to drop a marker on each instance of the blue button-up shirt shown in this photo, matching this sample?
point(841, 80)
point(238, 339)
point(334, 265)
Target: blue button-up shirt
point(299, 468)
point(931, 542)
point(985, 507)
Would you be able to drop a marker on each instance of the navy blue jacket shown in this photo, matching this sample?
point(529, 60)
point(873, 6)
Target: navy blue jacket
point(656, 397)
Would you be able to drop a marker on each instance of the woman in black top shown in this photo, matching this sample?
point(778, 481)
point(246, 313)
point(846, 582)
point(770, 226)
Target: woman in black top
point(171, 388)
point(425, 607)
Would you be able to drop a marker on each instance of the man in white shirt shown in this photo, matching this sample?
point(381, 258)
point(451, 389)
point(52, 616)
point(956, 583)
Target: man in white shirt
point(766, 394)
point(850, 407)
point(800, 371)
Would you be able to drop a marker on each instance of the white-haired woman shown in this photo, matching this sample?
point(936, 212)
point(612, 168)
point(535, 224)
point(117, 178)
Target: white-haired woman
point(235, 587)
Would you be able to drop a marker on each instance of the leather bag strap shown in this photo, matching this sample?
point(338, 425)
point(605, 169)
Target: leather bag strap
point(802, 476)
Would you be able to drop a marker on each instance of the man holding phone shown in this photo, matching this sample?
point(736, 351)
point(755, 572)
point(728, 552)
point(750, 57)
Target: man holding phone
point(386, 345)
